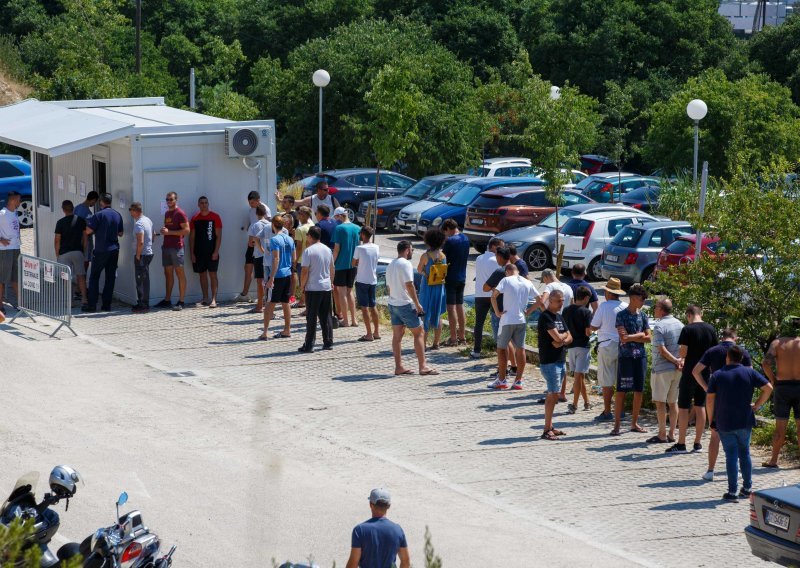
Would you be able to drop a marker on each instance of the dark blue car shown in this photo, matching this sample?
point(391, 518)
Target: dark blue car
point(15, 175)
point(389, 207)
point(456, 208)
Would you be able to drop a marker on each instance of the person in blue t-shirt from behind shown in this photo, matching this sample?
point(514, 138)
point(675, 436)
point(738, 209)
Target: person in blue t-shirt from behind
point(279, 257)
point(376, 543)
point(456, 249)
point(730, 404)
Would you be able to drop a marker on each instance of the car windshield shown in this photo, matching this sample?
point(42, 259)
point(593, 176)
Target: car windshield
point(563, 216)
point(576, 227)
point(449, 192)
point(679, 246)
point(420, 189)
point(480, 171)
point(466, 196)
point(584, 183)
point(628, 237)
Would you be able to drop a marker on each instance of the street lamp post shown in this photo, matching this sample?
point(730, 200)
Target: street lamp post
point(555, 94)
point(697, 110)
point(321, 79)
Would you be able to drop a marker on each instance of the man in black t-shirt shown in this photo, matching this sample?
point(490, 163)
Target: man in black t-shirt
point(696, 338)
point(70, 243)
point(205, 238)
point(553, 339)
point(578, 318)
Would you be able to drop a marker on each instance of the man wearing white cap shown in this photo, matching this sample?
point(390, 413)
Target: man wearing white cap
point(605, 323)
point(378, 542)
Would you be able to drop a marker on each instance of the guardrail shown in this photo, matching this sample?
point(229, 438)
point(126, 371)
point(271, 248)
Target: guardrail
point(45, 289)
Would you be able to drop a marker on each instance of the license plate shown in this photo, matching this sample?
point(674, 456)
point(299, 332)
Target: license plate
point(612, 258)
point(476, 221)
point(778, 520)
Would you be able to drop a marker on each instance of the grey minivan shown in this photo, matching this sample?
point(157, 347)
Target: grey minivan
point(632, 254)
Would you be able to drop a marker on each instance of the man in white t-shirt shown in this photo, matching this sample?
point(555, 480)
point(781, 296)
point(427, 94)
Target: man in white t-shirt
point(551, 282)
point(604, 323)
point(516, 291)
point(9, 245)
point(253, 200)
point(365, 259)
point(315, 281)
point(485, 265)
point(258, 243)
point(405, 309)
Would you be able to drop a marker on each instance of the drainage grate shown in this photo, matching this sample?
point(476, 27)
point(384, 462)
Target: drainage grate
point(181, 374)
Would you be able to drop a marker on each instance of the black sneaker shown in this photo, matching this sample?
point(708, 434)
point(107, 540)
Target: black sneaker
point(304, 349)
point(163, 304)
point(730, 497)
point(178, 306)
point(571, 408)
point(745, 493)
point(327, 347)
point(676, 449)
point(697, 448)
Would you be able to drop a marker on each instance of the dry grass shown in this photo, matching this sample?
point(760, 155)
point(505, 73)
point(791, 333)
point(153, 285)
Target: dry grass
point(12, 91)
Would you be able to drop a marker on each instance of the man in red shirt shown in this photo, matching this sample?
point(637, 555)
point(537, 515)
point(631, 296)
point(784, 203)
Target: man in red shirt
point(176, 226)
point(205, 239)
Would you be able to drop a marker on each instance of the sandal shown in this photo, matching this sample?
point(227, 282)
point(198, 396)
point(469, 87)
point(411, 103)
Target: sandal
point(212, 305)
point(656, 440)
point(263, 337)
point(450, 343)
point(770, 465)
point(461, 342)
point(404, 372)
point(614, 432)
point(558, 432)
point(365, 338)
point(638, 429)
point(434, 347)
point(429, 372)
point(279, 335)
point(549, 435)
point(376, 337)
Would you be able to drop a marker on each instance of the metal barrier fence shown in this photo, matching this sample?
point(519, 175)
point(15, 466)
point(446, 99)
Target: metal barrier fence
point(45, 289)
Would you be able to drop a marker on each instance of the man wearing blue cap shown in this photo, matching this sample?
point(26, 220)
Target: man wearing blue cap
point(378, 542)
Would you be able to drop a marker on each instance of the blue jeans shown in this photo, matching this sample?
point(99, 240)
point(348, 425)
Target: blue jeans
point(553, 374)
point(495, 324)
point(736, 444)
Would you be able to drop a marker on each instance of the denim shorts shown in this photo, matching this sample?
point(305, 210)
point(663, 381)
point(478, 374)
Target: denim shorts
point(405, 315)
point(365, 294)
point(553, 373)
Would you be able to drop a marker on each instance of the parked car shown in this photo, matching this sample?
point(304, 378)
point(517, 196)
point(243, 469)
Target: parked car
point(15, 175)
point(682, 250)
point(353, 186)
point(586, 236)
point(774, 530)
point(380, 273)
point(503, 167)
point(644, 198)
point(456, 207)
point(575, 176)
point(536, 243)
point(502, 209)
point(594, 164)
point(589, 180)
point(410, 214)
point(389, 207)
point(633, 253)
point(603, 188)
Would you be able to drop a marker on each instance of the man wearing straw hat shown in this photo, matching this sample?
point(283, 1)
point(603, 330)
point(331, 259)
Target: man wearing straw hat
point(604, 323)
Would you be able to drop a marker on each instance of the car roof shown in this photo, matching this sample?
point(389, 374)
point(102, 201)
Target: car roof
point(648, 225)
point(494, 161)
point(597, 158)
point(505, 180)
point(588, 207)
point(441, 177)
point(350, 171)
point(607, 175)
point(513, 191)
point(600, 215)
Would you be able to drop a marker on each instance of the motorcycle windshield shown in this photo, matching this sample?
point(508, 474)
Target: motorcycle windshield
point(25, 484)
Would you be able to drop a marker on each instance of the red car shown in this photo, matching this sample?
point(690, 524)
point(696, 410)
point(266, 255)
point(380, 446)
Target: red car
point(682, 251)
point(499, 210)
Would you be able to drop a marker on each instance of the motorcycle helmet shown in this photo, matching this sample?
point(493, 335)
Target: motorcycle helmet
point(64, 481)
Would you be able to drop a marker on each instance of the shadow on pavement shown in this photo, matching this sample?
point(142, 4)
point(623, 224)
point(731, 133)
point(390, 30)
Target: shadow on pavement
point(361, 378)
point(507, 441)
point(691, 505)
point(615, 447)
point(675, 483)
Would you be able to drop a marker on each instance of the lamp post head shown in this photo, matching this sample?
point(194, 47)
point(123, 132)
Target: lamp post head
point(696, 109)
point(321, 78)
point(555, 93)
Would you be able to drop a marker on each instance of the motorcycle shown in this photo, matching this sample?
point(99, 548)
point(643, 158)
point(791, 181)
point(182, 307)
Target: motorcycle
point(21, 504)
point(126, 544)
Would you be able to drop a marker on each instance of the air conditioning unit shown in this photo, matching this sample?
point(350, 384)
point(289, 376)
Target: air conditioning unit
point(249, 141)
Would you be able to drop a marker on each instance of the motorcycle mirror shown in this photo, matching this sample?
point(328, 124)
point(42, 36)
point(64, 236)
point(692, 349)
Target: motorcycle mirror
point(123, 498)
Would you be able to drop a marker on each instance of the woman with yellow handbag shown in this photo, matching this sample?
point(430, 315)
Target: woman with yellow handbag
point(433, 267)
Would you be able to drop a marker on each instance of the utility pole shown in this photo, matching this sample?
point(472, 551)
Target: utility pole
point(138, 36)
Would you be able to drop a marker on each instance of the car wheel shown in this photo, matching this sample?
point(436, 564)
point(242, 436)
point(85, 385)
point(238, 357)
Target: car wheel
point(25, 213)
point(392, 224)
point(647, 275)
point(595, 272)
point(537, 257)
point(480, 247)
point(350, 211)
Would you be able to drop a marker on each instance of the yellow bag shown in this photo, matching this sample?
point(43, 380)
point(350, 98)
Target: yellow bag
point(437, 273)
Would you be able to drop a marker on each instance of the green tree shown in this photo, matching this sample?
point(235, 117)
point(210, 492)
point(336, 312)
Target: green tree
point(618, 112)
point(222, 101)
point(750, 123)
point(777, 50)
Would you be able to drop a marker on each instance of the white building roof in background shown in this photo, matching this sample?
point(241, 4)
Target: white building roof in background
point(59, 127)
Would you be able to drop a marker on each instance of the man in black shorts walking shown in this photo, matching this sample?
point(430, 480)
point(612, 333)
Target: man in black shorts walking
point(279, 258)
point(205, 238)
point(456, 249)
point(784, 355)
point(696, 338)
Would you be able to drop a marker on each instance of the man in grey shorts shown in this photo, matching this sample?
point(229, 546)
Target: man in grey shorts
point(605, 323)
point(70, 242)
point(578, 318)
point(9, 245)
point(176, 227)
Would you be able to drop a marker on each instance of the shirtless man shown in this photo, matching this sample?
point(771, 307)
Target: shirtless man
point(782, 368)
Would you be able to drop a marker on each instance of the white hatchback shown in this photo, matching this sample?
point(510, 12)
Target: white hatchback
point(585, 237)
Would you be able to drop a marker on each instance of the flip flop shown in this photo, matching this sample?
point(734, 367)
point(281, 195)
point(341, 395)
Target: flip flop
point(262, 337)
point(376, 337)
point(212, 305)
point(639, 429)
point(406, 372)
point(770, 465)
point(429, 372)
point(365, 338)
point(655, 440)
point(280, 335)
point(614, 432)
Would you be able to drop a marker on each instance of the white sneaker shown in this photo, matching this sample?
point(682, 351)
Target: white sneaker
point(475, 355)
point(242, 298)
point(708, 476)
point(497, 384)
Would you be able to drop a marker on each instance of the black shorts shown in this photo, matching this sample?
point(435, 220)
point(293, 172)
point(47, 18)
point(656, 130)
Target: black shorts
point(248, 256)
point(205, 264)
point(280, 291)
point(630, 374)
point(690, 391)
point(345, 277)
point(258, 268)
point(455, 293)
point(785, 399)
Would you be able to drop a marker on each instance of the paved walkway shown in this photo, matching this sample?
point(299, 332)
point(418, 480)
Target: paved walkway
point(616, 494)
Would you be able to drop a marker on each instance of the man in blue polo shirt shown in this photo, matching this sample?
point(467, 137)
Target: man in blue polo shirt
point(377, 543)
point(106, 226)
point(730, 405)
